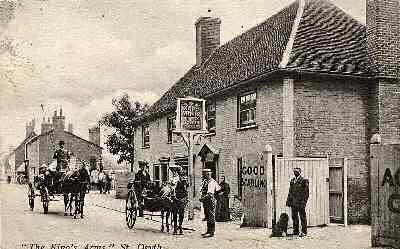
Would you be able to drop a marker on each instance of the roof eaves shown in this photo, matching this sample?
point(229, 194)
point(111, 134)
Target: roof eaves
point(67, 132)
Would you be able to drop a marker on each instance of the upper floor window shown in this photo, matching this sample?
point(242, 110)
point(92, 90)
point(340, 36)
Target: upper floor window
point(247, 109)
point(170, 127)
point(146, 135)
point(211, 116)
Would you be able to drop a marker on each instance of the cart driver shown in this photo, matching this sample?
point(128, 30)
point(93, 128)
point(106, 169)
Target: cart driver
point(62, 156)
point(142, 180)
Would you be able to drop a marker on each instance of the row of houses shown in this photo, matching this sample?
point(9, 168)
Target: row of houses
point(311, 81)
point(38, 149)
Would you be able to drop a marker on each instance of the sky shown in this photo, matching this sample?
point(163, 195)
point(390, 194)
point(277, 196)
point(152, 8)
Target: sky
point(78, 55)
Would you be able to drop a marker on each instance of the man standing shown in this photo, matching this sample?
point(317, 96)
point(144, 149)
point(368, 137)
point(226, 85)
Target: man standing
point(208, 190)
point(297, 201)
point(223, 201)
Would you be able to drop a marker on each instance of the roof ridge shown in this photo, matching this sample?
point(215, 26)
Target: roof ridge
point(295, 27)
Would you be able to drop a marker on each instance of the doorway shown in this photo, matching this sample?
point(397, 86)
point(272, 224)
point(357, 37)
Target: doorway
point(213, 166)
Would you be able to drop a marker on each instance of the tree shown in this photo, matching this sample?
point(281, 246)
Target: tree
point(122, 121)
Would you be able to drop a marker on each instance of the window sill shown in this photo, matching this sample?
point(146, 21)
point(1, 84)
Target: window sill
point(254, 126)
point(145, 147)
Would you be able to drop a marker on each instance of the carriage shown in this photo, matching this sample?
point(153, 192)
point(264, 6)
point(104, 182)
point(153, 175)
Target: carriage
point(152, 198)
point(68, 184)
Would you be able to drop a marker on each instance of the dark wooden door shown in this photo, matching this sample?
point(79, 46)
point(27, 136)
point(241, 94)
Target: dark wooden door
point(338, 190)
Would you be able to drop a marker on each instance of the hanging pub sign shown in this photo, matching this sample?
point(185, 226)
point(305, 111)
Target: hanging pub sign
point(191, 115)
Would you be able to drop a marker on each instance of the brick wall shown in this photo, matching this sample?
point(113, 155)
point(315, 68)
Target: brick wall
point(233, 143)
point(383, 36)
point(331, 117)
point(389, 110)
point(82, 149)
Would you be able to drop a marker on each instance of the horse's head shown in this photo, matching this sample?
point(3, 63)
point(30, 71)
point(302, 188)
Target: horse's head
point(167, 191)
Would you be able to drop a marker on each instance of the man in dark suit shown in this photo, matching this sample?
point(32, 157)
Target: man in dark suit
point(297, 201)
point(142, 180)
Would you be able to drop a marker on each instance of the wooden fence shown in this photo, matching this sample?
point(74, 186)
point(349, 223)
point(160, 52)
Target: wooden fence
point(385, 195)
point(265, 187)
point(317, 172)
point(121, 183)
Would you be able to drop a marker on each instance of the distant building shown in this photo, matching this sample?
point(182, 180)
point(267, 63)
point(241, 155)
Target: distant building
point(40, 148)
point(19, 152)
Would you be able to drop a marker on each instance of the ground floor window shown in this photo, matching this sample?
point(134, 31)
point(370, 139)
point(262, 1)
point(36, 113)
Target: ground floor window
point(156, 175)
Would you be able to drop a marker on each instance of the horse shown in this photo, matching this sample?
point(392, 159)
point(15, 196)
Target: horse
point(74, 186)
point(156, 201)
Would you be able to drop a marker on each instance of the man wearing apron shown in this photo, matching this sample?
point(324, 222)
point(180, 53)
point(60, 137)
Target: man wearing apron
point(208, 190)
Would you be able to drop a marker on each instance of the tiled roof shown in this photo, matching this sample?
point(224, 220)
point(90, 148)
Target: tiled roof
point(329, 40)
point(325, 40)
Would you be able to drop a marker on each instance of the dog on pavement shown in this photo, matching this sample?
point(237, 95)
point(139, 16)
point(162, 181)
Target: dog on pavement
point(281, 226)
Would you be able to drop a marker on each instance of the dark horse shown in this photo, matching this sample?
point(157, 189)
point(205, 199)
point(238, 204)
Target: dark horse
point(74, 187)
point(155, 200)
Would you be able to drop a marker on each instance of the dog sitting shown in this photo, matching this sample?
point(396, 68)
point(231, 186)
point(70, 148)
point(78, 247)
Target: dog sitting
point(281, 226)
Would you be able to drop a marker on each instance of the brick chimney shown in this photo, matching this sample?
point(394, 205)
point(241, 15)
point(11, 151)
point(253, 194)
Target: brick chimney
point(383, 36)
point(383, 48)
point(207, 37)
point(94, 135)
point(46, 126)
point(29, 128)
point(58, 121)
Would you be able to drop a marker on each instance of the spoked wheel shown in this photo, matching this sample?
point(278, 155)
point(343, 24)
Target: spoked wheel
point(45, 200)
point(31, 197)
point(130, 211)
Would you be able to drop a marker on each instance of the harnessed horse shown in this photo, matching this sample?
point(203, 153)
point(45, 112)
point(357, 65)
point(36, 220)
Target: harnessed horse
point(153, 201)
point(74, 187)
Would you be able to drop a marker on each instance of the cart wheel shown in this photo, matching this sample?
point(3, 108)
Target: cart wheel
point(130, 212)
point(31, 197)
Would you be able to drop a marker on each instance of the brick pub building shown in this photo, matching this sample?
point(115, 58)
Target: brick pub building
point(40, 148)
point(311, 81)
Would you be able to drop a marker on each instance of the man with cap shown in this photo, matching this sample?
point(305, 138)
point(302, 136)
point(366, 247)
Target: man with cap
point(208, 191)
point(142, 180)
point(297, 201)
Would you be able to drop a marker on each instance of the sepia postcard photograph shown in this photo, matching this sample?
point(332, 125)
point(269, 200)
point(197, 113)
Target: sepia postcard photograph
point(194, 124)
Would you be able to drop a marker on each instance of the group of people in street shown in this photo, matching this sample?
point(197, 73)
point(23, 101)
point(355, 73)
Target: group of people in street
point(100, 180)
point(214, 197)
